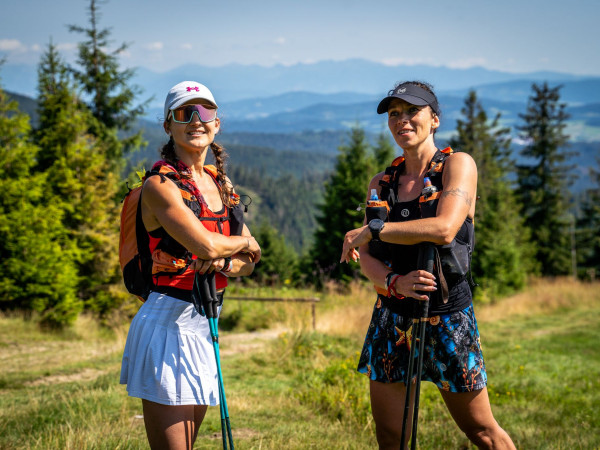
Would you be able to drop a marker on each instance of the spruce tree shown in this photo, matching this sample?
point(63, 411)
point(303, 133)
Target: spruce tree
point(543, 179)
point(107, 91)
point(344, 191)
point(588, 228)
point(37, 272)
point(278, 261)
point(81, 181)
point(383, 152)
point(502, 257)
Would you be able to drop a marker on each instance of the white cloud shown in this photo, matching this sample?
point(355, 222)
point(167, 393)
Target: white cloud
point(186, 46)
point(280, 40)
point(12, 45)
point(465, 63)
point(409, 61)
point(154, 46)
point(66, 46)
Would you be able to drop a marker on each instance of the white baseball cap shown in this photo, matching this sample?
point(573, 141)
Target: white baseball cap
point(184, 92)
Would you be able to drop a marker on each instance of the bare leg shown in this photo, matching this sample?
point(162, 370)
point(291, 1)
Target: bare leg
point(387, 403)
point(472, 413)
point(172, 427)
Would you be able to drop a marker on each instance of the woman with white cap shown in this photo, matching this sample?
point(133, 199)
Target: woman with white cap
point(431, 195)
point(186, 208)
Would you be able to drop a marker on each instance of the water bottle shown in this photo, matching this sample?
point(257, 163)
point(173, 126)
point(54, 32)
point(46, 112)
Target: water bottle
point(427, 201)
point(378, 209)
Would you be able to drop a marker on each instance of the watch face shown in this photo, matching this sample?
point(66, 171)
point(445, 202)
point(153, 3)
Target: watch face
point(376, 224)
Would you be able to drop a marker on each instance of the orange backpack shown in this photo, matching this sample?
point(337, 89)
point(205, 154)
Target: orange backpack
point(134, 250)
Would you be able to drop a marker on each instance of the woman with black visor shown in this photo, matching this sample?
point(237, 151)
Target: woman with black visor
point(452, 356)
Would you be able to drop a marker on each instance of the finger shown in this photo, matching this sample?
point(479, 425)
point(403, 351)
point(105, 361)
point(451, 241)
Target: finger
point(425, 281)
point(425, 274)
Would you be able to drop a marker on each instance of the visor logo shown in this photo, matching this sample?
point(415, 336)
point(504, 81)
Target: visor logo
point(401, 91)
point(189, 89)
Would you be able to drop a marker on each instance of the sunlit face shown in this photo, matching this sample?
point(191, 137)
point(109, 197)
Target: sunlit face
point(411, 125)
point(195, 135)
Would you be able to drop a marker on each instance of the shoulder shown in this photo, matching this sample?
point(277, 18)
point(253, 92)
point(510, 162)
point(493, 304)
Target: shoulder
point(460, 161)
point(375, 180)
point(159, 186)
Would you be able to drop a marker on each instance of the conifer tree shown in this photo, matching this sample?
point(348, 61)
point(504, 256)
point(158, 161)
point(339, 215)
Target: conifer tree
point(80, 181)
point(588, 227)
point(345, 190)
point(383, 152)
point(502, 257)
point(106, 87)
point(543, 179)
point(278, 261)
point(36, 270)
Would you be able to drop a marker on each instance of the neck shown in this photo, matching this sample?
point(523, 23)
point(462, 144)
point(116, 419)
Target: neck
point(418, 158)
point(194, 160)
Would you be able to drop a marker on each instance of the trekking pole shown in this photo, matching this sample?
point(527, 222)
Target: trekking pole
point(211, 308)
point(425, 262)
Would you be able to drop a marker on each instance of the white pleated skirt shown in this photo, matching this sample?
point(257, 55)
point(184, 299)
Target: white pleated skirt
point(169, 356)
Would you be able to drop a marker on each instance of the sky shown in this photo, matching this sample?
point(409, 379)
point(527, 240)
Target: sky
point(510, 35)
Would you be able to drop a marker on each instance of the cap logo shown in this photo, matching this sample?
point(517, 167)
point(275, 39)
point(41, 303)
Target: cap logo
point(401, 91)
point(196, 88)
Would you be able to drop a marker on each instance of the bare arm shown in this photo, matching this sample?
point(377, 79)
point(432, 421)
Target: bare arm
point(162, 205)
point(455, 204)
point(243, 263)
point(376, 271)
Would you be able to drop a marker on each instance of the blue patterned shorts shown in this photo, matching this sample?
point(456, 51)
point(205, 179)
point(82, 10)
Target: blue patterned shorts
point(452, 357)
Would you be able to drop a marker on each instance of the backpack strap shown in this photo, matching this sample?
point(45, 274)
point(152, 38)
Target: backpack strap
point(389, 181)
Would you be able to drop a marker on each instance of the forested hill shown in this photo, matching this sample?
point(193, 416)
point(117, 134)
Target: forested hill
point(284, 173)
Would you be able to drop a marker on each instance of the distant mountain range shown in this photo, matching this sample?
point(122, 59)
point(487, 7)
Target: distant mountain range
point(310, 107)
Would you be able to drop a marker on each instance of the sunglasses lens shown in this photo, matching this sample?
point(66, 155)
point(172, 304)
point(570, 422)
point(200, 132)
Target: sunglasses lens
point(185, 113)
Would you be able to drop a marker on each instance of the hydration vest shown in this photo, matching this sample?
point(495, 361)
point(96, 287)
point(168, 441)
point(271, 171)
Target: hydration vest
point(453, 261)
point(155, 261)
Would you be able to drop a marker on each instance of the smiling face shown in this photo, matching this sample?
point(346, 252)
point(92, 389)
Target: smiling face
point(194, 136)
point(411, 125)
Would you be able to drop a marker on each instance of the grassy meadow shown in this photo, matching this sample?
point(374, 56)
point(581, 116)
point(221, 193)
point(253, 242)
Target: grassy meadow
point(292, 387)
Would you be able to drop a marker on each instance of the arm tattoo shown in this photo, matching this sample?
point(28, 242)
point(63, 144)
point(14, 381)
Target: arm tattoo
point(459, 193)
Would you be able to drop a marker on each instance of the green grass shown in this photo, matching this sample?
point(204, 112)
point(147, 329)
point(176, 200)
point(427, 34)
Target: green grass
point(300, 390)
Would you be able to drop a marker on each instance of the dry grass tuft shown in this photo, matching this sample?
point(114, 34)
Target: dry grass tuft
point(542, 296)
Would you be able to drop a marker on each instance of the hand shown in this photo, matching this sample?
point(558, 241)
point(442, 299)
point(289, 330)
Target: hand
point(354, 238)
point(209, 265)
point(254, 248)
point(201, 265)
point(417, 280)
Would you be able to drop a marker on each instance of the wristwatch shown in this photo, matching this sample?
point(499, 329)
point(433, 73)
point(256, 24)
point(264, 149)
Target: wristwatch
point(375, 226)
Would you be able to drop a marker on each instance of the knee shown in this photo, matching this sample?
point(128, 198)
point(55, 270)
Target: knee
point(488, 437)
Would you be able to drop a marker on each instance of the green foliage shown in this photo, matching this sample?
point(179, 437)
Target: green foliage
point(502, 256)
point(36, 267)
point(82, 182)
point(110, 97)
point(543, 179)
point(286, 202)
point(588, 229)
point(383, 152)
point(278, 261)
point(344, 191)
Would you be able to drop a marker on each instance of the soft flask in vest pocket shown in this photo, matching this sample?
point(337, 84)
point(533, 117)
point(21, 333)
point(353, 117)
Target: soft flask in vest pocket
point(377, 209)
